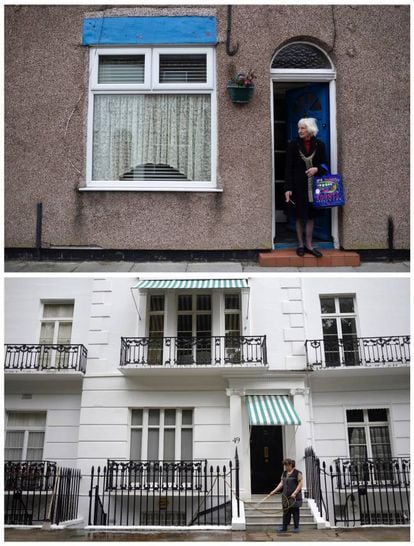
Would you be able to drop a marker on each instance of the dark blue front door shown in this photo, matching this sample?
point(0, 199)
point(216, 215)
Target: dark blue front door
point(311, 101)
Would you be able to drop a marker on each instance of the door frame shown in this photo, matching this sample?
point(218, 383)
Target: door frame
point(295, 75)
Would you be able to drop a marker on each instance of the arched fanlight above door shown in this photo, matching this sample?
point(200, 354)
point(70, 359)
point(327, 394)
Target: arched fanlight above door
point(301, 55)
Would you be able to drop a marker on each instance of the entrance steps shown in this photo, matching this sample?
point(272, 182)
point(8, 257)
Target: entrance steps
point(287, 257)
point(268, 515)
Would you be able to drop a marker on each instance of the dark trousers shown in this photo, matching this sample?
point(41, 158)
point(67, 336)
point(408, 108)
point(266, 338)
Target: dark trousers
point(287, 515)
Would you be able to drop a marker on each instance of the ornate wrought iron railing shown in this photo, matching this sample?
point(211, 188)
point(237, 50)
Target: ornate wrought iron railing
point(354, 351)
point(194, 351)
point(360, 491)
point(38, 491)
point(143, 493)
point(40, 357)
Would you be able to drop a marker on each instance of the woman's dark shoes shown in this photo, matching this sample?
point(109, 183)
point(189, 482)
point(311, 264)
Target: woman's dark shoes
point(300, 251)
point(314, 251)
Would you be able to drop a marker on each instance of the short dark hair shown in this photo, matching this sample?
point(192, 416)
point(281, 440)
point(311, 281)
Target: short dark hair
point(289, 462)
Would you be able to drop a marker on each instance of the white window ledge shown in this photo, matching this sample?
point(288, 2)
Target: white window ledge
point(153, 189)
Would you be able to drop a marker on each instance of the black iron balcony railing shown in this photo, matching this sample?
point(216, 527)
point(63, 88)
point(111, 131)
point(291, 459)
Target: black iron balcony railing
point(61, 357)
point(360, 491)
point(194, 351)
point(157, 493)
point(357, 351)
point(39, 491)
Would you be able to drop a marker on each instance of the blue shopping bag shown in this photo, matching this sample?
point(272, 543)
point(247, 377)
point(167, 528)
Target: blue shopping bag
point(327, 190)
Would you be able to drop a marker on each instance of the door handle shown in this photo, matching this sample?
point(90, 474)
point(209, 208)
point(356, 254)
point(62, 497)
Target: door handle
point(266, 454)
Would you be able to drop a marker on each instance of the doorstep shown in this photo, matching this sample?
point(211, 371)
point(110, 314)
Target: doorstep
point(288, 258)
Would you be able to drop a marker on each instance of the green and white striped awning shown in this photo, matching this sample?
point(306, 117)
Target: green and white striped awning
point(271, 409)
point(191, 284)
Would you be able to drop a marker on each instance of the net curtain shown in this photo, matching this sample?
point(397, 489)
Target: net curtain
point(133, 130)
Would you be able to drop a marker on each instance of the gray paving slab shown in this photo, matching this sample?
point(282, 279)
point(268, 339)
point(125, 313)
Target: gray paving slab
point(361, 534)
point(13, 266)
point(107, 267)
point(48, 267)
point(214, 267)
point(159, 267)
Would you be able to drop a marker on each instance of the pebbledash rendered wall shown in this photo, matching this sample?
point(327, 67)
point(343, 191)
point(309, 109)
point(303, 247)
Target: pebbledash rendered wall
point(46, 112)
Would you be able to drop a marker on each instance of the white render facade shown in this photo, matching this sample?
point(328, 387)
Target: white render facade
point(146, 404)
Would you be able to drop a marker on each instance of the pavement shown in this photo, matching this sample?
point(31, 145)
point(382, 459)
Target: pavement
point(23, 266)
point(361, 534)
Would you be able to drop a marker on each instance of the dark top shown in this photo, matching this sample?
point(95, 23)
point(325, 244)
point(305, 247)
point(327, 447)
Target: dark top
point(296, 180)
point(290, 482)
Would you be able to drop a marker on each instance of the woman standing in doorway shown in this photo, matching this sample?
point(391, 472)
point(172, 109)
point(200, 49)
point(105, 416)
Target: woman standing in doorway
point(290, 485)
point(304, 158)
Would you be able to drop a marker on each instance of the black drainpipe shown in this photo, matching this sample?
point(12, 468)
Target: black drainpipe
point(39, 218)
point(230, 51)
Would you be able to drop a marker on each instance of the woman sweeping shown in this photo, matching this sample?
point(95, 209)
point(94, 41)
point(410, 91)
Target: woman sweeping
point(290, 485)
point(304, 158)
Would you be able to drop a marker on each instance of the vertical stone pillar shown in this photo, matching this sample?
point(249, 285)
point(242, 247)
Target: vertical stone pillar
point(236, 434)
point(301, 403)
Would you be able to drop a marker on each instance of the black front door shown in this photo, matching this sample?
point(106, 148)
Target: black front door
point(266, 455)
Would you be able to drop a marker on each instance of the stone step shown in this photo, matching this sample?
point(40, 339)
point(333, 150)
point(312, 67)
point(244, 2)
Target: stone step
point(271, 526)
point(288, 258)
point(272, 518)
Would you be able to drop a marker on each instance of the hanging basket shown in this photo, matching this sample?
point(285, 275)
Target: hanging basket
point(240, 95)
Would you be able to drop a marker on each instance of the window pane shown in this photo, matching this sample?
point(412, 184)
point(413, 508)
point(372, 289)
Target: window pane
point(185, 303)
point(157, 303)
point(187, 417)
point(169, 444)
point(204, 303)
point(35, 446)
point(136, 418)
point(232, 323)
point(47, 332)
point(154, 417)
point(380, 442)
point(64, 332)
point(355, 416)
point(185, 325)
point(183, 68)
point(24, 419)
point(329, 327)
point(187, 444)
point(346, 305)
point(152, 137)
point(204, 325)
point(121, 69)
point(169, 417)
point(300, 55)
point(153, 441)
point(14, 446)
point(348, 326)
point(232, 301)
point(327, 305)
point(136, 443)
point(58, 310)
point(377, 415)
point(156, 325)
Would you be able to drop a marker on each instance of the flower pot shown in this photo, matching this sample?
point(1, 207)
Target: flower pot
point(240, 95)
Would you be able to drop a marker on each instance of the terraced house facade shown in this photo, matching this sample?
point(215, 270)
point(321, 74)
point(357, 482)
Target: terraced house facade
point(153, 402)
point(121, 135)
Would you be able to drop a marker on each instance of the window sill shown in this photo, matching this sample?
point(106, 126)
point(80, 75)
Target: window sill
point(193, 188)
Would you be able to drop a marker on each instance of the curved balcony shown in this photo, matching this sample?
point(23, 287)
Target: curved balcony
point(180, 352)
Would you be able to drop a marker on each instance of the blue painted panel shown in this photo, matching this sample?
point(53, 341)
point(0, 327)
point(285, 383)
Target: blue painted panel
point(149, 30)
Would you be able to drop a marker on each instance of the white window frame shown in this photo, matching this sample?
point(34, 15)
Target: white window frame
point(366, 425)
point(27, 430)
point(151, 86)
point(337, 315)
point(56, 320)
point(145, 426)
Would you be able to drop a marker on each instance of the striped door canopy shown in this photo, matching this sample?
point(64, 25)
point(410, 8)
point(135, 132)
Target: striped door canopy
point(269, 409)
point(191, 284)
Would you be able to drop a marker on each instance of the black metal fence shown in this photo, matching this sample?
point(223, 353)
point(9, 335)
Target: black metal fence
point(45, 357)
point(360, 491)
point(39, 491)
point(160, 493)
point(354, 351)
point(188, 351)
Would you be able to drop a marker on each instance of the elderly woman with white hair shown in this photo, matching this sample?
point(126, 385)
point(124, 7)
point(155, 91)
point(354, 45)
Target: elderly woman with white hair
point(304, 158)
